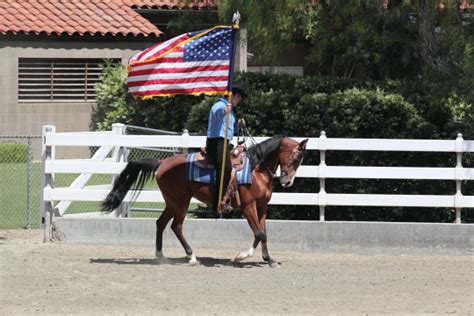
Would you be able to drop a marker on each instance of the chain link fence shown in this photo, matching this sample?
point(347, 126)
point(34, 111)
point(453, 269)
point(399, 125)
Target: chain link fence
point(20, 170)
point(143, 209)
point(20, 173)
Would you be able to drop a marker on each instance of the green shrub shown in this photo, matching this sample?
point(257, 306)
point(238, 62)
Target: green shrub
point(305, 106)
point(10, 152)
point(115, 105)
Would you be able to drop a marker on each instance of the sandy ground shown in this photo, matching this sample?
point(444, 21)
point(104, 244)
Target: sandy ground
point(56, 278)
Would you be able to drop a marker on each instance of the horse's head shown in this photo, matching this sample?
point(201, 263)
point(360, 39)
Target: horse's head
point(290, 156)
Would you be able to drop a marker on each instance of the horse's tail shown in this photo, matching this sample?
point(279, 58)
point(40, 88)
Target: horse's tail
point(136, 171)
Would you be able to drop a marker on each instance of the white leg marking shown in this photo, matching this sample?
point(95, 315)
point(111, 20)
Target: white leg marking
point(192, 260)
point(159, 254)
point(245, 254)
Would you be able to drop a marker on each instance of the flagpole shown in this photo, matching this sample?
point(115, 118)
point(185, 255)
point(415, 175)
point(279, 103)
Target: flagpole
point(236, 21)
point(224, 151)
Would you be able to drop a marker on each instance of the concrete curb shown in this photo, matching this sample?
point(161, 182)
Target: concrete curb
point(308, 236)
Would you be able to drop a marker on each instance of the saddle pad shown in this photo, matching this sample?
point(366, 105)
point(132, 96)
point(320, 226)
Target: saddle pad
point(204, 175)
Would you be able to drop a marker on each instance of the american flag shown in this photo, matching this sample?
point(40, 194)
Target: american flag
point(192, 63)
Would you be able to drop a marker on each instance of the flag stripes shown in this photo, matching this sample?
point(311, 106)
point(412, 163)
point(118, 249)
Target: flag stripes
point(192, 63)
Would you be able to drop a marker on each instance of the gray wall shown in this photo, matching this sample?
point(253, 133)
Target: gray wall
point(307, 236)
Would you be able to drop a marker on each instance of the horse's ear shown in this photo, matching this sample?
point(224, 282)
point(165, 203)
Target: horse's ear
point(302, 145)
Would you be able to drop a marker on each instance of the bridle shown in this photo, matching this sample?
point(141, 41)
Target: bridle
point(296, 155)
point(283, 173)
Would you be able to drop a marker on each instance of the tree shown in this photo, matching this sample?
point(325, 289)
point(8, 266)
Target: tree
point(272, 24)
point(429, 45)
point(362, 39)
point(376, 39)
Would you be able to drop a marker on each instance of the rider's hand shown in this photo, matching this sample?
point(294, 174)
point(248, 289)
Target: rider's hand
point(241, 122)
point(228, 108)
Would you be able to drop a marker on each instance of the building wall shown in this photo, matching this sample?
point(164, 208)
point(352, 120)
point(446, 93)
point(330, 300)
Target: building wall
point(291, 61)
point(28, 118)
point(20, 118)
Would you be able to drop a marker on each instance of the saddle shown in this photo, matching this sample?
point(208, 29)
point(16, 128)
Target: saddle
point(238, 159)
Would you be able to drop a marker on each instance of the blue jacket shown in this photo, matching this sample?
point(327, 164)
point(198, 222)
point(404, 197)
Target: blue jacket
point(217, 121)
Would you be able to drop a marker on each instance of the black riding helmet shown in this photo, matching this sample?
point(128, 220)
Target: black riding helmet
point(238, 89)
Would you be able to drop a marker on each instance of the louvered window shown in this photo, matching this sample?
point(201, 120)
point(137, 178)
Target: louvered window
point(58, 80)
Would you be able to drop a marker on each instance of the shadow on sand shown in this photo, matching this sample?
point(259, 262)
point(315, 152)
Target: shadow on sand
point(203, 261)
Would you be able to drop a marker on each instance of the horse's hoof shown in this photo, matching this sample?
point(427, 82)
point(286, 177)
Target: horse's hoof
point(274, 265)
point(241, 256)
point(162, 260)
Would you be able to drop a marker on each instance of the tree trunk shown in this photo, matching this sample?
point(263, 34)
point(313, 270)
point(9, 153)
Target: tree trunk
point(426, 38)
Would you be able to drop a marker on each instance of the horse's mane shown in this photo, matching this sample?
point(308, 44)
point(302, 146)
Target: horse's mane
point(259, 153)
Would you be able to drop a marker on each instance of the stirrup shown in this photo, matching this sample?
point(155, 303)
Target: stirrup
point(225, 208)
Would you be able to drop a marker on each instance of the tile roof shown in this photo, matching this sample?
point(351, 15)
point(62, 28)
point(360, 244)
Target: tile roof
point(172, 4)
point(85, 17)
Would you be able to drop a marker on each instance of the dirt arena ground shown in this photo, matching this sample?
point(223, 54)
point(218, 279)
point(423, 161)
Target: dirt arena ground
point(56, 278)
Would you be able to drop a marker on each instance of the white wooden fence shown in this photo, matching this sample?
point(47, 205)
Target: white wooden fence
point(114, 142)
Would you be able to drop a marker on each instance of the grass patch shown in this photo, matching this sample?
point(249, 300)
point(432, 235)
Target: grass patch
point(13, 196)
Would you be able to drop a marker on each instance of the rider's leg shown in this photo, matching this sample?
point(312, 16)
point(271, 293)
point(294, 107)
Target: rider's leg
point(227, 169)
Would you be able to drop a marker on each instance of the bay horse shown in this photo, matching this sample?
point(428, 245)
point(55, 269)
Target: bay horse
point(177, 191)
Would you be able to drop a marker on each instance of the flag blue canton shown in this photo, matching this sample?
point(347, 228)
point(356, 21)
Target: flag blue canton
point(215, 45)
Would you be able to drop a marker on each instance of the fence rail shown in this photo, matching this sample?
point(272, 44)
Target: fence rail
point(115, 141)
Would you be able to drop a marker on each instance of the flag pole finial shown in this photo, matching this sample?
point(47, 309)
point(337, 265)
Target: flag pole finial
point(236, 20)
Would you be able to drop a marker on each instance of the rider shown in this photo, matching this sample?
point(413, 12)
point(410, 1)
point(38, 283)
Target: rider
point(215, 139)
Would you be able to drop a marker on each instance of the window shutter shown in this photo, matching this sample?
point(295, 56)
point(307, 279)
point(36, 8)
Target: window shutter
point(58, 80)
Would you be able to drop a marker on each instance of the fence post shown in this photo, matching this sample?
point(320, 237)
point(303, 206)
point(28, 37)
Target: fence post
point(185, 141)
point(322, 176)
point(29, 184)
point(119, 155)
point(46, 207)
point(459, 177)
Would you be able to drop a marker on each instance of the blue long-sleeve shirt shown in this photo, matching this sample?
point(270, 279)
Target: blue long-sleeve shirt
point(217, 121)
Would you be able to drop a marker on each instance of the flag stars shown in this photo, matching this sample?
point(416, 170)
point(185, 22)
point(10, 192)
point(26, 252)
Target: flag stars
point(215, 45)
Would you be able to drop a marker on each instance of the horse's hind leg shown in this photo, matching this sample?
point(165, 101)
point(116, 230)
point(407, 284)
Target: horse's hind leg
point(161, 223)
point(177, 227)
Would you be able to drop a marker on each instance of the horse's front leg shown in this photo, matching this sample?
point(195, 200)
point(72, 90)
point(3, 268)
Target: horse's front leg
point(266, 255)
point(262, 217)
point(257, 224)
point(250, 213)
point(249, 253)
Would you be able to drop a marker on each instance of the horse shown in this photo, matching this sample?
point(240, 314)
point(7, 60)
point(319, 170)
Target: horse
point(177, 191)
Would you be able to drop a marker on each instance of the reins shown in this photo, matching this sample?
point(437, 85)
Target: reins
point(245, 134)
